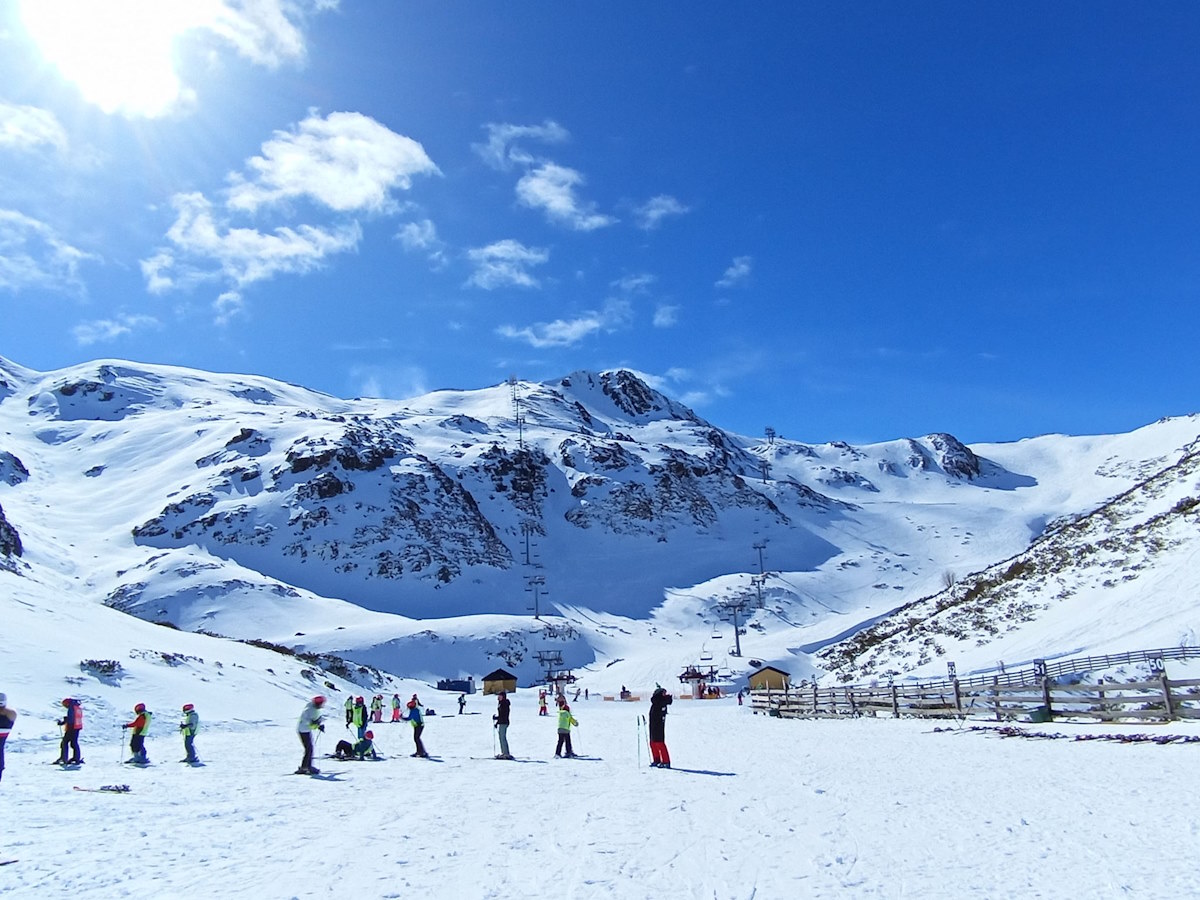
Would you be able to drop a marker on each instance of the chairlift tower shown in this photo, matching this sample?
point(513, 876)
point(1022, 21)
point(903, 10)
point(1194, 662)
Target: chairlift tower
point(536, 585)
point(732, 609)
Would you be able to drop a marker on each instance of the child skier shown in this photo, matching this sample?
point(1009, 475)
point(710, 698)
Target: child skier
point(501, 723)
point(188, 726)
point(310, 721)
point(72, 724)
point(140, 726)
point(359, 717)
point(416, 718)
point(565, 721)
point(360, 750)
point(396, 704)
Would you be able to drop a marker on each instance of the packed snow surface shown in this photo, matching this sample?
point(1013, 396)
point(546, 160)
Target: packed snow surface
point(754, 807)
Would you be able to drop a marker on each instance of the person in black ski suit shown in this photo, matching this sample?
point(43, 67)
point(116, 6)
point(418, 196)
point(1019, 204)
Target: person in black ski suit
point(501, 720)
point(659, 701)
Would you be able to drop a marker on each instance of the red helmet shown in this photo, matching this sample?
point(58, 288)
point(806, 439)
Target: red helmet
point(370, 735)
point(358, 699)
point(318, 700)
point(67, 701)
point(140, 708)
point(412, 704)
point(187, 707)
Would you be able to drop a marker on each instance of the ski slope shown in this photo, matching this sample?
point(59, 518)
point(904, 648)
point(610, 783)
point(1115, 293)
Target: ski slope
point(754, 808)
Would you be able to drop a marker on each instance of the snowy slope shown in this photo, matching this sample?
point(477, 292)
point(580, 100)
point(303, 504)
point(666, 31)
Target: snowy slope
point(405, 535)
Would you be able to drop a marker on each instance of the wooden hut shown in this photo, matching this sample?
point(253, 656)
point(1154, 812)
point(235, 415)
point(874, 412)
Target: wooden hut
point(500, 680)
point(769, 678)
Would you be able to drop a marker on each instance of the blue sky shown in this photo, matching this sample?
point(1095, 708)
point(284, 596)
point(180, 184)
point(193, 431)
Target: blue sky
point(846, 221)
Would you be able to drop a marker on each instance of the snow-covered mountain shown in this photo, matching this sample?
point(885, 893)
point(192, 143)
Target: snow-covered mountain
point(415, 536)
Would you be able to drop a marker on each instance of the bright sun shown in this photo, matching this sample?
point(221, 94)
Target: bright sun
point(119, 53)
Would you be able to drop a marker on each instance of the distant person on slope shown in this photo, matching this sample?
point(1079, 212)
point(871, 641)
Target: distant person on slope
point(659, 701)
point(462, 703)
point(349, 710)
point(310, 721)
point(72, 724)
point(396, 706)
point(501, 724)
point(416, 718)
point(141, 727)
point(377, 708)
point(188, 726)
point(7, 717)
point(565, 721)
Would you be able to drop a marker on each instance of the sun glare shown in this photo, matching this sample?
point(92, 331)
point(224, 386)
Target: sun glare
point(120, 54)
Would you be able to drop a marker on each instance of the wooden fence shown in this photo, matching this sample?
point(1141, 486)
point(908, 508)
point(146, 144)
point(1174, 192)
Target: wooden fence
point(1156, 699)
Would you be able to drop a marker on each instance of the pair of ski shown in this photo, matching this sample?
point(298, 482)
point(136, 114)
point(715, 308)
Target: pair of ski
point(107, 789)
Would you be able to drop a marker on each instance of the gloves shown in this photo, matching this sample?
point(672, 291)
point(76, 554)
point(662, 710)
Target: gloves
point(320, 728)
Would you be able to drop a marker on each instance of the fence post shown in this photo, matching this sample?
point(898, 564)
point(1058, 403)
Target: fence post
point(957, 697)
point(1166, 690)
point(1046, 699)
point(895, 703)
point(996, 696)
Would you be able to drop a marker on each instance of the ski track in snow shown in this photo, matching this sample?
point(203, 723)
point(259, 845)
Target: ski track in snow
point(823, 809)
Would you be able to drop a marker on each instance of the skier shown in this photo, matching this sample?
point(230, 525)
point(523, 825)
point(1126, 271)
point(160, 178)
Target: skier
point(349, 710)
point(462, 703)
point(188, 727)
point(542, 703)
point(359, 719)
point(140, 726)
point(416, 718)
point(501, 724)
point(565, 721)
point(396, 707)
point(377, 708)
point(7, 717)
point(739, 698)
point(659, 701)
point(360, 750)
point(310, 721)
point(72, 724)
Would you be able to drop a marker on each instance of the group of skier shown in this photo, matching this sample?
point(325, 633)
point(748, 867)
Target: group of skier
point(311, 723)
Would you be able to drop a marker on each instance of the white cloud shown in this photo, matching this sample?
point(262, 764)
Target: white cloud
point(28, 127)
point(422, 237)
point(501, 150)
point(227, 307)
point(666, 316)
point(505, 263)
point(33, 256)
point(204, 247)
point(551, 187)
point(650, 214)
point(737, 273)
point(391, 382)
point(567, 332)
point(88, 333)
point(638, 283)
point(346, 161)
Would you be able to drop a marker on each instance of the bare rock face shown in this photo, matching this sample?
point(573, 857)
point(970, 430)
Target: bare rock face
point(10, 541)
point(956, 459)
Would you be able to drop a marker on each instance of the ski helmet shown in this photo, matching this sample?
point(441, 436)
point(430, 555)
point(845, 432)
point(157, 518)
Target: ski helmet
point(318, 700)
point(412, 704)
point(358, 699)
point(370, 735)
point(187, 707)
point(67, 701)
point(140, 708)
point(3, 699)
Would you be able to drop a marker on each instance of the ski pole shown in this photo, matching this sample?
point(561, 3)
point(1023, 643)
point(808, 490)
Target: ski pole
point(639, 741)
point(120, 744)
